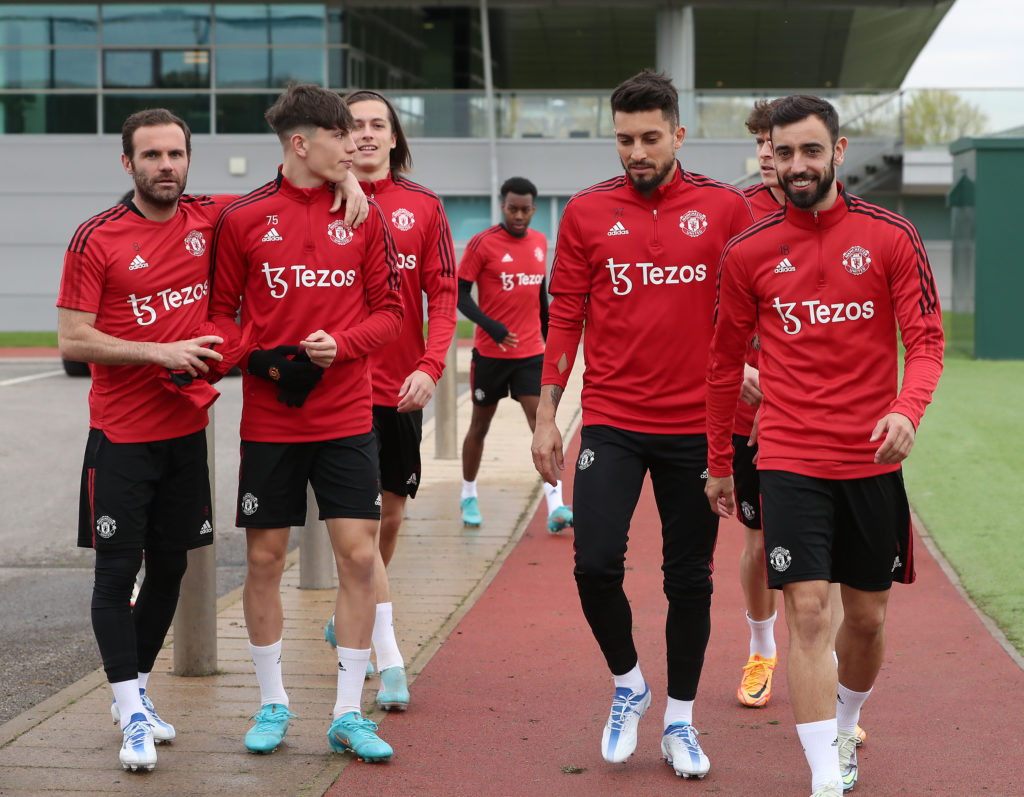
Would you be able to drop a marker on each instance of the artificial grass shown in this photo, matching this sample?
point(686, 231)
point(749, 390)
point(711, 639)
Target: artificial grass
point(964, 478)
point(28, 339)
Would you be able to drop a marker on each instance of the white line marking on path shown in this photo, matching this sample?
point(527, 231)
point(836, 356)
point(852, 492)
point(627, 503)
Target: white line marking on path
point(31, 378)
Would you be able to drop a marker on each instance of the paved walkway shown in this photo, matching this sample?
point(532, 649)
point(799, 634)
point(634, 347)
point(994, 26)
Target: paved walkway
point(67, 743)
point(509, 689)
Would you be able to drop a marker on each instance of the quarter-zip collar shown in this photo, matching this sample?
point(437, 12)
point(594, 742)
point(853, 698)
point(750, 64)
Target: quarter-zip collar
point(819, 219)
point(373, 187)
point(306, 196)
point(662, 191)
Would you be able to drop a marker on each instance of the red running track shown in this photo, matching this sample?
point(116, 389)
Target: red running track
point(513, 703)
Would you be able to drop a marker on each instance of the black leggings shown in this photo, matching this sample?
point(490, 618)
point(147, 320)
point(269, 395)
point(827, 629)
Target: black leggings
point(130, 638)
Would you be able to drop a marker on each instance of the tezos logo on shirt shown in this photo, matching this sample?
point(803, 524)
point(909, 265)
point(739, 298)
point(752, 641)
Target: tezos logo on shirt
point(403, 219)
point(509, 281)
point(339, 233)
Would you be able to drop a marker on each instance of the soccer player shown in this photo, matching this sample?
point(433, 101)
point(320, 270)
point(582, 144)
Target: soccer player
point(316, 298)
point(828, 283)
point(133, 289)
point(405, 372)
point(635, 258)
point(508, 263)
point(756, 684)
point(755, 687)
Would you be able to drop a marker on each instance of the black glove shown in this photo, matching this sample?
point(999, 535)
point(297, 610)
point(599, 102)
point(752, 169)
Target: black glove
point(180, 378)
point(286, 367)
point(296, 397)
point(497, 330)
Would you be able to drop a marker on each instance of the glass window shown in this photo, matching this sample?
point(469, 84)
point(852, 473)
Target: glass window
point(193, 108)
point(243, 113)
point(163, 69)
point(156, 23)
point(264, 23)
point(467, 215)
point(48, 113)
point(48, 69)
point(269, 67)
point(48, 23)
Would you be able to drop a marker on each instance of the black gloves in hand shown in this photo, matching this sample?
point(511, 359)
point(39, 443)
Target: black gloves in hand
point(290, 369)
point(497, 330)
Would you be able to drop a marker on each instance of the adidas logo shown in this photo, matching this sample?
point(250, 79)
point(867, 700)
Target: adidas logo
point(378, 502)
point(507, 258)
point(273, 235)
point(138, 262)
point(206, 528)
point(618, 229)
point(411, 479)
point(784, 266)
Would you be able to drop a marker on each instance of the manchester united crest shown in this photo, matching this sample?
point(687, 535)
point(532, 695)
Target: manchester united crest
point(195, 243)
point(538, 253)
point(339, 233)
point(856, 260)
point(403, 219)
point(106, 526)
point(693, 223)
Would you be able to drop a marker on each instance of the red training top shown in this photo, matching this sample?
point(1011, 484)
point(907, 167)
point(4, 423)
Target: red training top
point(426, 256)
point(826, 291)
point(145, 281)
point(640, 273)
point(298, 268)
point(508, 272)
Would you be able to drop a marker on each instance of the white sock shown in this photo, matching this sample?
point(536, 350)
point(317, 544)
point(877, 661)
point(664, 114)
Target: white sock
point(468, 489)
point(632, 680)
point(351, 674)
point(553, 496)
point(384, 642)
point(267, 660)
point(143, 680)
point(762, 637)
point(678, 711)
point(848, 706)
point(129, 701)
point(819, 742)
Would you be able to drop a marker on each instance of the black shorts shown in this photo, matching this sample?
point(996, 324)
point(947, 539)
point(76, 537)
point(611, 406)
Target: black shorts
point(145, 495)
point(398, 445)
point(746, 482)
point(609, 476)
point(851, 531)
point(344, 474)
point(493, 378)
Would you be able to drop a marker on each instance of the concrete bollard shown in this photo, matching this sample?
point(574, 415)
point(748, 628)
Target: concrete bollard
point(446, 433)
point(316, 557)
point(195, 621)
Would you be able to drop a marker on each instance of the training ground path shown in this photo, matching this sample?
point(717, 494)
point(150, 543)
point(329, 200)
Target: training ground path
point(514, 701)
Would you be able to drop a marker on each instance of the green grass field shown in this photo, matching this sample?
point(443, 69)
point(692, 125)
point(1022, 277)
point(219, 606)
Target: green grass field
point(965, 476)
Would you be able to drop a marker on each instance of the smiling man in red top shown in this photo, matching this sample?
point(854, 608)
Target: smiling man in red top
point(827, 282)
point(635, 259)
point(316, 298)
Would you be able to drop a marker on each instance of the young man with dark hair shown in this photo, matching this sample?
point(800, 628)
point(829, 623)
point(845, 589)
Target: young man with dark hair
point(133, 291)
point(508, 263)
point(828, 282)
point(316, 298)
point(405, 372)
point(635, 259)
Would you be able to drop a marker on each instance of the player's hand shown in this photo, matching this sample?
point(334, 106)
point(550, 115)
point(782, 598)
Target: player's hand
point(286, 367)
point(721, 495)
point(750, 393)
point(357, 207)
point(510, 341)
point(548, 457)
point(416, 391)
point(899, 434)
point(187, 356)
point(321, 348)
point(752, 440)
